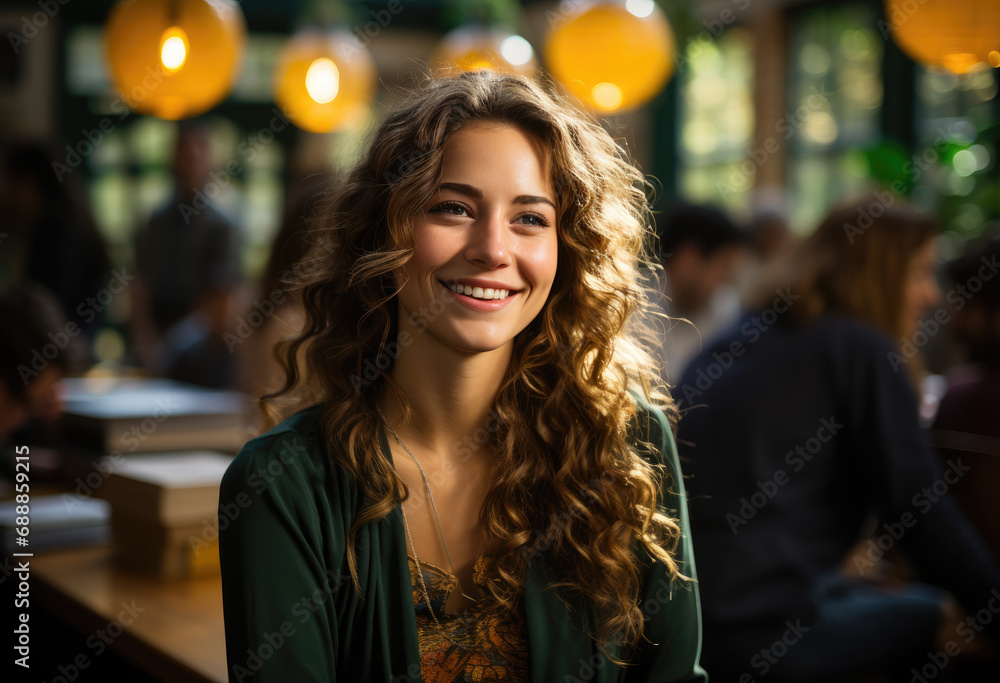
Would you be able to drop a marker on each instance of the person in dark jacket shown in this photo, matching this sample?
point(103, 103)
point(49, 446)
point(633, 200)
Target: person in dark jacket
point(802, 428)
point(967, 423)
point(53, 240)
point(38, 346)
point(188, 271)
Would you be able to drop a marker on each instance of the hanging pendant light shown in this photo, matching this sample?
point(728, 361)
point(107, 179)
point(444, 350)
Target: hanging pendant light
point(474, 46)
point(324, 80)
point(174, 58)
point(614, 55)
point(958, 35)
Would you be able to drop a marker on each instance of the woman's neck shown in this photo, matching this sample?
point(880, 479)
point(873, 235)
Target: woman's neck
point(451, 394)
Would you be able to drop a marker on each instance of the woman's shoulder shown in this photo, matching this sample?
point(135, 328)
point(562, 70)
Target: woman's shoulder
point(282, 456)
point(302, 426)
point(283, 501)
point(837, 339)
point(652, 426)
point(857, 349)
point(843, 328)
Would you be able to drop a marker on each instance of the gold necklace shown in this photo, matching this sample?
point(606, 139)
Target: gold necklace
point(409, 536)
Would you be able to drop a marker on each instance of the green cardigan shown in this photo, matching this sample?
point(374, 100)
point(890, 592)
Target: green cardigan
point(292, 614)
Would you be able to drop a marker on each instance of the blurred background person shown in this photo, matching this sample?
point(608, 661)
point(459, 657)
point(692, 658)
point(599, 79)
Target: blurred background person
point(769, 234)
point(972, 403)
point(700, 247)
point(807, 432)
point(37, 348)
point(52, 239)
point(968, 419)
point(188, 266)
point(768, 237)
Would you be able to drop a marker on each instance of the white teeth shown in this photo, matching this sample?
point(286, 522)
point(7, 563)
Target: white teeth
point(487, 293)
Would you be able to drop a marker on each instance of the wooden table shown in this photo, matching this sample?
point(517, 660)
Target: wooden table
point(178, 637)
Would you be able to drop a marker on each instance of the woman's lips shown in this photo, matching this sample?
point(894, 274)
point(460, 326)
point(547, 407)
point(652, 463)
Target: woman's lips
point(475, 304)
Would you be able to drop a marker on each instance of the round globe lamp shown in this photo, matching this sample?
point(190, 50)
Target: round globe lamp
point(957, 35)
point(476, 47)
point(324, 80)
point(614, 55)
point(174, 58)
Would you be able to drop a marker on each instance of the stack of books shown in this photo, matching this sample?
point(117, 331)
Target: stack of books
point(164, 512)
point(132, 415)
point(55, 521)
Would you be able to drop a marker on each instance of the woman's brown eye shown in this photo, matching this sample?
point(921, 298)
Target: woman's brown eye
point(450, 207)
point(538, 220)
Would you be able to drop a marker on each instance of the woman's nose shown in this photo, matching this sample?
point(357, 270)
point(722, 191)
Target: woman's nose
point(488, 242)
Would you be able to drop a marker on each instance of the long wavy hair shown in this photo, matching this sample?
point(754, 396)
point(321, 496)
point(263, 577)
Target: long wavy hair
point(855, 263)
point(564, 435)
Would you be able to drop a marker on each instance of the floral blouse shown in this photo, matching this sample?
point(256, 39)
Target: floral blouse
point(466, 646)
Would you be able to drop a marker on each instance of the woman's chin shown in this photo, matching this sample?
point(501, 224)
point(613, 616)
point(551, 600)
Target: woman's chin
point(484, 343)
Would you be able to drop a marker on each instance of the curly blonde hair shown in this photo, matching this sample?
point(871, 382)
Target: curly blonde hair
point(564, 412)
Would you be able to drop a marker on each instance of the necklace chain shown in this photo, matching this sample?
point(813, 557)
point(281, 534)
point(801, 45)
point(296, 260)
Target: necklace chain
point(420, 573)
point(409, 536)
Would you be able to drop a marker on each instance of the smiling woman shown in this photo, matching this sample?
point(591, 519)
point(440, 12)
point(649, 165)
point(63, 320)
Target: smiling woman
point(501, 501)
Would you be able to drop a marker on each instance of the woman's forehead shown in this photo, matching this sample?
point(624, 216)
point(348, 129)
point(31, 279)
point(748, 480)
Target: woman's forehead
point(485, 154)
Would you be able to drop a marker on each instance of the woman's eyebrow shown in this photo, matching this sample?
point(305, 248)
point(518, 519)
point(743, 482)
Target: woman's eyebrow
point(533, 199)
point(476, 193)
point(462, 188)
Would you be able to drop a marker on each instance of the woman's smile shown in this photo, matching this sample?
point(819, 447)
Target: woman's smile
point(480, 298)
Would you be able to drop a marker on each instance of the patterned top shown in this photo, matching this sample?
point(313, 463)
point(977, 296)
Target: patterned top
point(467, 646)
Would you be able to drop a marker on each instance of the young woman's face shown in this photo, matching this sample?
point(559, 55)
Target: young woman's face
point(921, 291)
point(490, 228)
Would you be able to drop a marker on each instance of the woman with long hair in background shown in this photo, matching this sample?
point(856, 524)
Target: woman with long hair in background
point(803, 436)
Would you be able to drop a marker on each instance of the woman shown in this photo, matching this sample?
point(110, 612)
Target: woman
point(482, 436)
point(821, 433)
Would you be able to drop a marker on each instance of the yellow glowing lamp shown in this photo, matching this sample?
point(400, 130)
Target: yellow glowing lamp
point(324, 80)
point(174, 58)
point(614, 55)
point(958, 35)
point(476, 47)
